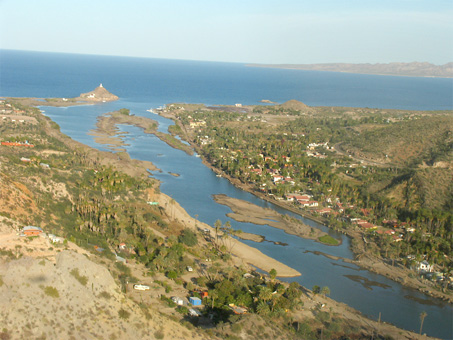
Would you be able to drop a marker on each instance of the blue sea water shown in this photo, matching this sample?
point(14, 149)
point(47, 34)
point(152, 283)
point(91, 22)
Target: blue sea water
point(148, 83)
point(164, 81)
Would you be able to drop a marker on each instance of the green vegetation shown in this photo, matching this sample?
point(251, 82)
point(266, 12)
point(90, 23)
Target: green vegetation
point(51, 291)
point(125, 112)
point(104, 210)
point(188, 237)
point(81, 278)
point(392, 169)
point(327, 239)
point(124, 314)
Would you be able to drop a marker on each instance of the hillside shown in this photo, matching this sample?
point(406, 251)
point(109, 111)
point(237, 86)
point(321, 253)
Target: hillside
point(405, 143)
point(414, 69)
point(422, 148)
point(74, 298)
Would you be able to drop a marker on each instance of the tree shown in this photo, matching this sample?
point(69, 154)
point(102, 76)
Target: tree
point(188, 237)
point(316, 289)
point(422, 319)
point(325, 291)
point(217, 226)
point(273, 274)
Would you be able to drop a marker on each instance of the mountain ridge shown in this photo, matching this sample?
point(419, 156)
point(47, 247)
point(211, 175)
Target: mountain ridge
point(412, 69)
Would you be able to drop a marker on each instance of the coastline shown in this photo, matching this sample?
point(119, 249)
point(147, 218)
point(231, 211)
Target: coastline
point(397, 272)
point(246, 253)
point(244, 211)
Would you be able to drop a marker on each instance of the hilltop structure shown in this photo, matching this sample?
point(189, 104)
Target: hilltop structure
point(99, 94)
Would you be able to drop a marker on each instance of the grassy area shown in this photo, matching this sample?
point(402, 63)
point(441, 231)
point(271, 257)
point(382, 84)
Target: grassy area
point(329, 240)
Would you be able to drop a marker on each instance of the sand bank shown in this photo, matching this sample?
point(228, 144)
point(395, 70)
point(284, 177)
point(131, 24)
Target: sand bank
point(244, 211)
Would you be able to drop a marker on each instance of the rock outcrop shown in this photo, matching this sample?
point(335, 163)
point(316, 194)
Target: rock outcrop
point(99, 94)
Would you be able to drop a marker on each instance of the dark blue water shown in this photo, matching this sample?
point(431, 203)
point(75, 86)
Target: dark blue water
point(144, 83)
point(164, 81)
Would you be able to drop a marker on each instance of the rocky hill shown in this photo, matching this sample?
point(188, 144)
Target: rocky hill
point(99, 94)
point(74, 298)
point(296, 105)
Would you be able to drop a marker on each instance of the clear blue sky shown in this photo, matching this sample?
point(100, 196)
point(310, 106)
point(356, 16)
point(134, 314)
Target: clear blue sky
point(264, 31)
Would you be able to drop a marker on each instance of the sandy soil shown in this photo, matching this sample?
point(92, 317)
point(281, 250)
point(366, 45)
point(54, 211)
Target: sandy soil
point(244, 253)
point(36, 247)
point(244, 211)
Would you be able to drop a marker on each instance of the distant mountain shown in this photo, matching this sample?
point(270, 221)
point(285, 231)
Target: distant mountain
point(414, 69)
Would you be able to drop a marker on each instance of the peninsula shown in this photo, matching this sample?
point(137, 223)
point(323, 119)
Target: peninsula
point(414, 69)
point(99, 95)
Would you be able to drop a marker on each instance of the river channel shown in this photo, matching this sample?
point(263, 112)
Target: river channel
point(193, 190)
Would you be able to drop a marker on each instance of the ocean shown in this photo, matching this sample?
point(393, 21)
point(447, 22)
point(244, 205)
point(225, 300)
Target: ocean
point(162, 81)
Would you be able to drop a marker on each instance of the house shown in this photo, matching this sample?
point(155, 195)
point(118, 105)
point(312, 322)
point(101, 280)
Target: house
point(55, 239)
point(313, 203)
point(31, 231)
point(237, 309)
point(277, 178)
point(195, 301)
point(367, 226)
point(324, 211)
point(177, 300)
point(424, 267)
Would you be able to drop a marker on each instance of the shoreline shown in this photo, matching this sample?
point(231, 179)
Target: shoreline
point(243, 211)
point(396, 273)
point(140, 168)
point(245, 253)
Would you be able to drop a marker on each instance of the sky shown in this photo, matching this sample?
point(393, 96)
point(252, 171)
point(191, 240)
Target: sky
point(246, 31)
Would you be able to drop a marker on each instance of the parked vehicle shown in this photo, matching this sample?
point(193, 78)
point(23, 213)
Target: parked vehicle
point(141, 287)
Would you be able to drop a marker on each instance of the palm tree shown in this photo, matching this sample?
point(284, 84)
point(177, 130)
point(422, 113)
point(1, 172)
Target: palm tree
point(422, 318)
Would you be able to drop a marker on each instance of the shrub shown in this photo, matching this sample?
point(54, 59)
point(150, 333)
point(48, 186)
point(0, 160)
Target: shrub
point(81, 278)
point(182, 309)
point(236, 328)
point(105, 295)
point(159, 334)
point(172, 274)
point(188, 237)
point(51, 291)
point(123, 314)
